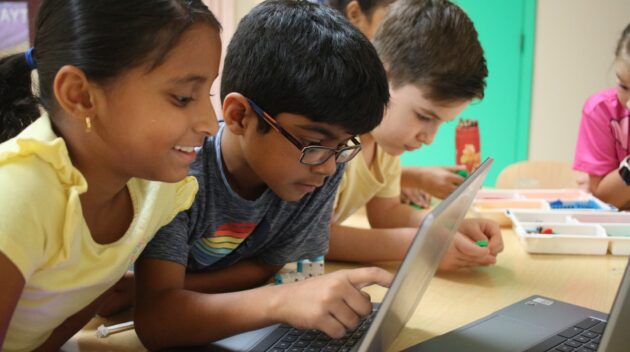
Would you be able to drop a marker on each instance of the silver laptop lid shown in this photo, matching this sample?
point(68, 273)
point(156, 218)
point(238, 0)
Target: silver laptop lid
point(616, 336)
point(421, 261)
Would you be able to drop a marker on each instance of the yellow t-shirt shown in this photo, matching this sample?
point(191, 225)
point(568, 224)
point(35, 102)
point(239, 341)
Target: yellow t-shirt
point(361, 183)
point(43, 232)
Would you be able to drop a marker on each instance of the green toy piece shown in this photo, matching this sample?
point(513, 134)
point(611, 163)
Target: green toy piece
point(482, 243)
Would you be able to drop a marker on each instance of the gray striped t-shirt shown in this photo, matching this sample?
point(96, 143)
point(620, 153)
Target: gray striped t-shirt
point(221, 228)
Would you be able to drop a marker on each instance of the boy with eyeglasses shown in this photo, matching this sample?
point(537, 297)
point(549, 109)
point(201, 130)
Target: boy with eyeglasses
point(299, 82)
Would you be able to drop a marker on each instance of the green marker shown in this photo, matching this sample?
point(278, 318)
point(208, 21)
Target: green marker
point(462, 173)
point(482, 243)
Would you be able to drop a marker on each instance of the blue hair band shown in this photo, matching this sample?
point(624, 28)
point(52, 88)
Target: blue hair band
point(30, 60)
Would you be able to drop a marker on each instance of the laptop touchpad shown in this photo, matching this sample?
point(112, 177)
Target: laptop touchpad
point(495, 334)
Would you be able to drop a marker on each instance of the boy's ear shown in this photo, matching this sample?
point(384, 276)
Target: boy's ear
point(74, 93)
point(237, 113)
point(354, 13)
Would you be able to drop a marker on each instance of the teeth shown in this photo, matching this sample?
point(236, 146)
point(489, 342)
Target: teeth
point(186, 149)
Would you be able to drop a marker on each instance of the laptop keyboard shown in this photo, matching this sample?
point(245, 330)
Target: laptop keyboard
point(288, 339)
point(583, 337)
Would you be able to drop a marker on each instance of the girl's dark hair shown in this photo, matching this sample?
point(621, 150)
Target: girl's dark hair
point(623, 46)
point(102, 38)
point(367, 6)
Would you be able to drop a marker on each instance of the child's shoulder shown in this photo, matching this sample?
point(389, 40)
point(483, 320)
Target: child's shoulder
point(381, 167)
point(32, 194)
point(32, 169)
point(29, 176)
point(605, 99)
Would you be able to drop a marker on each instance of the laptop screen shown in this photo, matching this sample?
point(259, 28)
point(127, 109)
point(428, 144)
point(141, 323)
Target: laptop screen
point(616, 337)
point(421, 261)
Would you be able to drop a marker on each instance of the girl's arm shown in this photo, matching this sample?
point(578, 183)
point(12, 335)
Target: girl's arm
point(611, 189)
point(12, 286)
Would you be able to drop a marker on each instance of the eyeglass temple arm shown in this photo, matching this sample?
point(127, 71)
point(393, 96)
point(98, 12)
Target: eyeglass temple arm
point(272, 123)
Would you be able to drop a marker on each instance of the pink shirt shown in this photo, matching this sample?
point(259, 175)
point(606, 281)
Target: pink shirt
point(603, 136)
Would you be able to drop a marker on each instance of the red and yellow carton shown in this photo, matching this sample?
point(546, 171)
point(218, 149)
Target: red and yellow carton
point(467, 144)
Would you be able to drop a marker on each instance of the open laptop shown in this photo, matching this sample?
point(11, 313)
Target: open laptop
point(379, 330)
point(538, 324)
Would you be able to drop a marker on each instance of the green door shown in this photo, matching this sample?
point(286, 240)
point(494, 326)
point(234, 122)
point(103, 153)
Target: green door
point(506, 30)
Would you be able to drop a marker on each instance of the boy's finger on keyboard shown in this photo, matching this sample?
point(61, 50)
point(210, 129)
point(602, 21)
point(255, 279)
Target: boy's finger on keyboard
point(332, 327)
point(358, 302)
point(346, 315)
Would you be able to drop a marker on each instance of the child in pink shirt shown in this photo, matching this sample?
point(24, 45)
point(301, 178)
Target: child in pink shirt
point(603, 139)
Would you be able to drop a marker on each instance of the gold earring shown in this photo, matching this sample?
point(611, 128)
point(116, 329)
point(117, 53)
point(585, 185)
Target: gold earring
point(88, 124)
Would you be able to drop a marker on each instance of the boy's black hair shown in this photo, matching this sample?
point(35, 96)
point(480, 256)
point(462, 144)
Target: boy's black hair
point(433, 44)
point(298, 57)
point(102, 38)
point(367, 6)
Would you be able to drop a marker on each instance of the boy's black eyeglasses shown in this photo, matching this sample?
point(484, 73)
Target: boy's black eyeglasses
point(311, 154)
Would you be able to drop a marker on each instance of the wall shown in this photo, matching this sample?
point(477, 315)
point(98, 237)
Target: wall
point(229, 13)
point(507, 35)
point(573, 58)
point(243, 7)
point(575, 40)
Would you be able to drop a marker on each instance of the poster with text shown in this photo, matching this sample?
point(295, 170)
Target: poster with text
point(13, 27)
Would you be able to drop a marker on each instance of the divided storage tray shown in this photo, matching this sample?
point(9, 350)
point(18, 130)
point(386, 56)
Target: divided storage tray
point(491, 203)
point(572, 232)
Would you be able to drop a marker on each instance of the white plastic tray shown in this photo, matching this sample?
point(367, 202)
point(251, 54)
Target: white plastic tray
point(492, 203)
point(545, 194)
point(494, 209)
point(577, 232)
point(619, 236)
point(567, 238)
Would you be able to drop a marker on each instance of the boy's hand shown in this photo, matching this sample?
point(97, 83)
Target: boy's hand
point(465, 253)
point(438, 181)
point(416, 196)
point(332, 303)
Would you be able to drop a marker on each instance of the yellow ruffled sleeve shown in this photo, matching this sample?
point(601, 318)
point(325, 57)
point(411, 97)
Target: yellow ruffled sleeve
point(35, 176)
